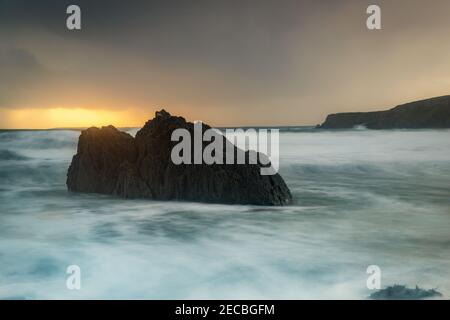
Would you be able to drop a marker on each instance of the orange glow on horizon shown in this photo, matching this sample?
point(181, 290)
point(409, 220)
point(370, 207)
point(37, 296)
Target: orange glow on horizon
point(41, 118)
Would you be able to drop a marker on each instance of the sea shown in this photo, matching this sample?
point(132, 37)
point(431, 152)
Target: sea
point(361, 198)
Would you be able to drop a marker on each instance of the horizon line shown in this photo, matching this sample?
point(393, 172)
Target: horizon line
point(133, 127)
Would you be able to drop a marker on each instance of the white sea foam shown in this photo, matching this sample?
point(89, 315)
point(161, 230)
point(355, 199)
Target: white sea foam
point(361, 198)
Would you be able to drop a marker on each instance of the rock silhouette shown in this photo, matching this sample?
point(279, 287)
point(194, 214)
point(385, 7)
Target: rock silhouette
point(109, 161)
point(401, 292)
point(432, 113)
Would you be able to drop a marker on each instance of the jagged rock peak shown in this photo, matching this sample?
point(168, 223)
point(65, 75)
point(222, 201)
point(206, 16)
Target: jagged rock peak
point(162, 114)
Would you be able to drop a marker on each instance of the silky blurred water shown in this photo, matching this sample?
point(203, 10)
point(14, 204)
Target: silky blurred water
point(362, 197)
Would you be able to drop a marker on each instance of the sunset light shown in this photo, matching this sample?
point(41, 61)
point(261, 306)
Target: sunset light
point(70, 118)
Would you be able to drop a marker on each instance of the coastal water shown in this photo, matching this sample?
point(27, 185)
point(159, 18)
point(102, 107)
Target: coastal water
point(362, 198)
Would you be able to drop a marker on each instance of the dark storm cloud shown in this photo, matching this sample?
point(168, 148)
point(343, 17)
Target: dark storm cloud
point(256, 60)
point(20, 70)
point(19, 59)
point(247, 38)
point(249, 35)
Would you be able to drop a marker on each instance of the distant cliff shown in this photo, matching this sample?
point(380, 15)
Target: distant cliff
point(430, 113)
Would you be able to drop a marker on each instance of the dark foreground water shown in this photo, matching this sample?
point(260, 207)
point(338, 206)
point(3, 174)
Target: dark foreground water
point(361, 198)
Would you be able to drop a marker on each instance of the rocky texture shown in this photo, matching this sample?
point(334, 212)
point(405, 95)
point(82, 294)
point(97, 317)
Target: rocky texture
point(399, 292)
point(109, 161)
point(430, 113)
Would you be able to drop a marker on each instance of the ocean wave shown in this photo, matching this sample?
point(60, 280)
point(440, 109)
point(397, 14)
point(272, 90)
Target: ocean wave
point(11, 155)
point(39, 139)
point(361, 198)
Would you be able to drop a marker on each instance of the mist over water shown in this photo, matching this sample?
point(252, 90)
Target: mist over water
point(361, 197)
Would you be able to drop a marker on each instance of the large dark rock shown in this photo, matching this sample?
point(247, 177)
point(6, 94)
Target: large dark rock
point(431, 113)
point(401, 292)
point(109, 161)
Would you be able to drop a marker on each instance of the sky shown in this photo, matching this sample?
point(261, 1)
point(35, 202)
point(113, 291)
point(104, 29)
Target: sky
point(228, 63)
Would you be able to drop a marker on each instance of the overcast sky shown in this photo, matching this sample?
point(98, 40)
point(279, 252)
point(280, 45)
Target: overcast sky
point(224, 62)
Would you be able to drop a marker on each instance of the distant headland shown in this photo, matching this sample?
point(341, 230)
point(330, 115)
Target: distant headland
point(431, 113)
